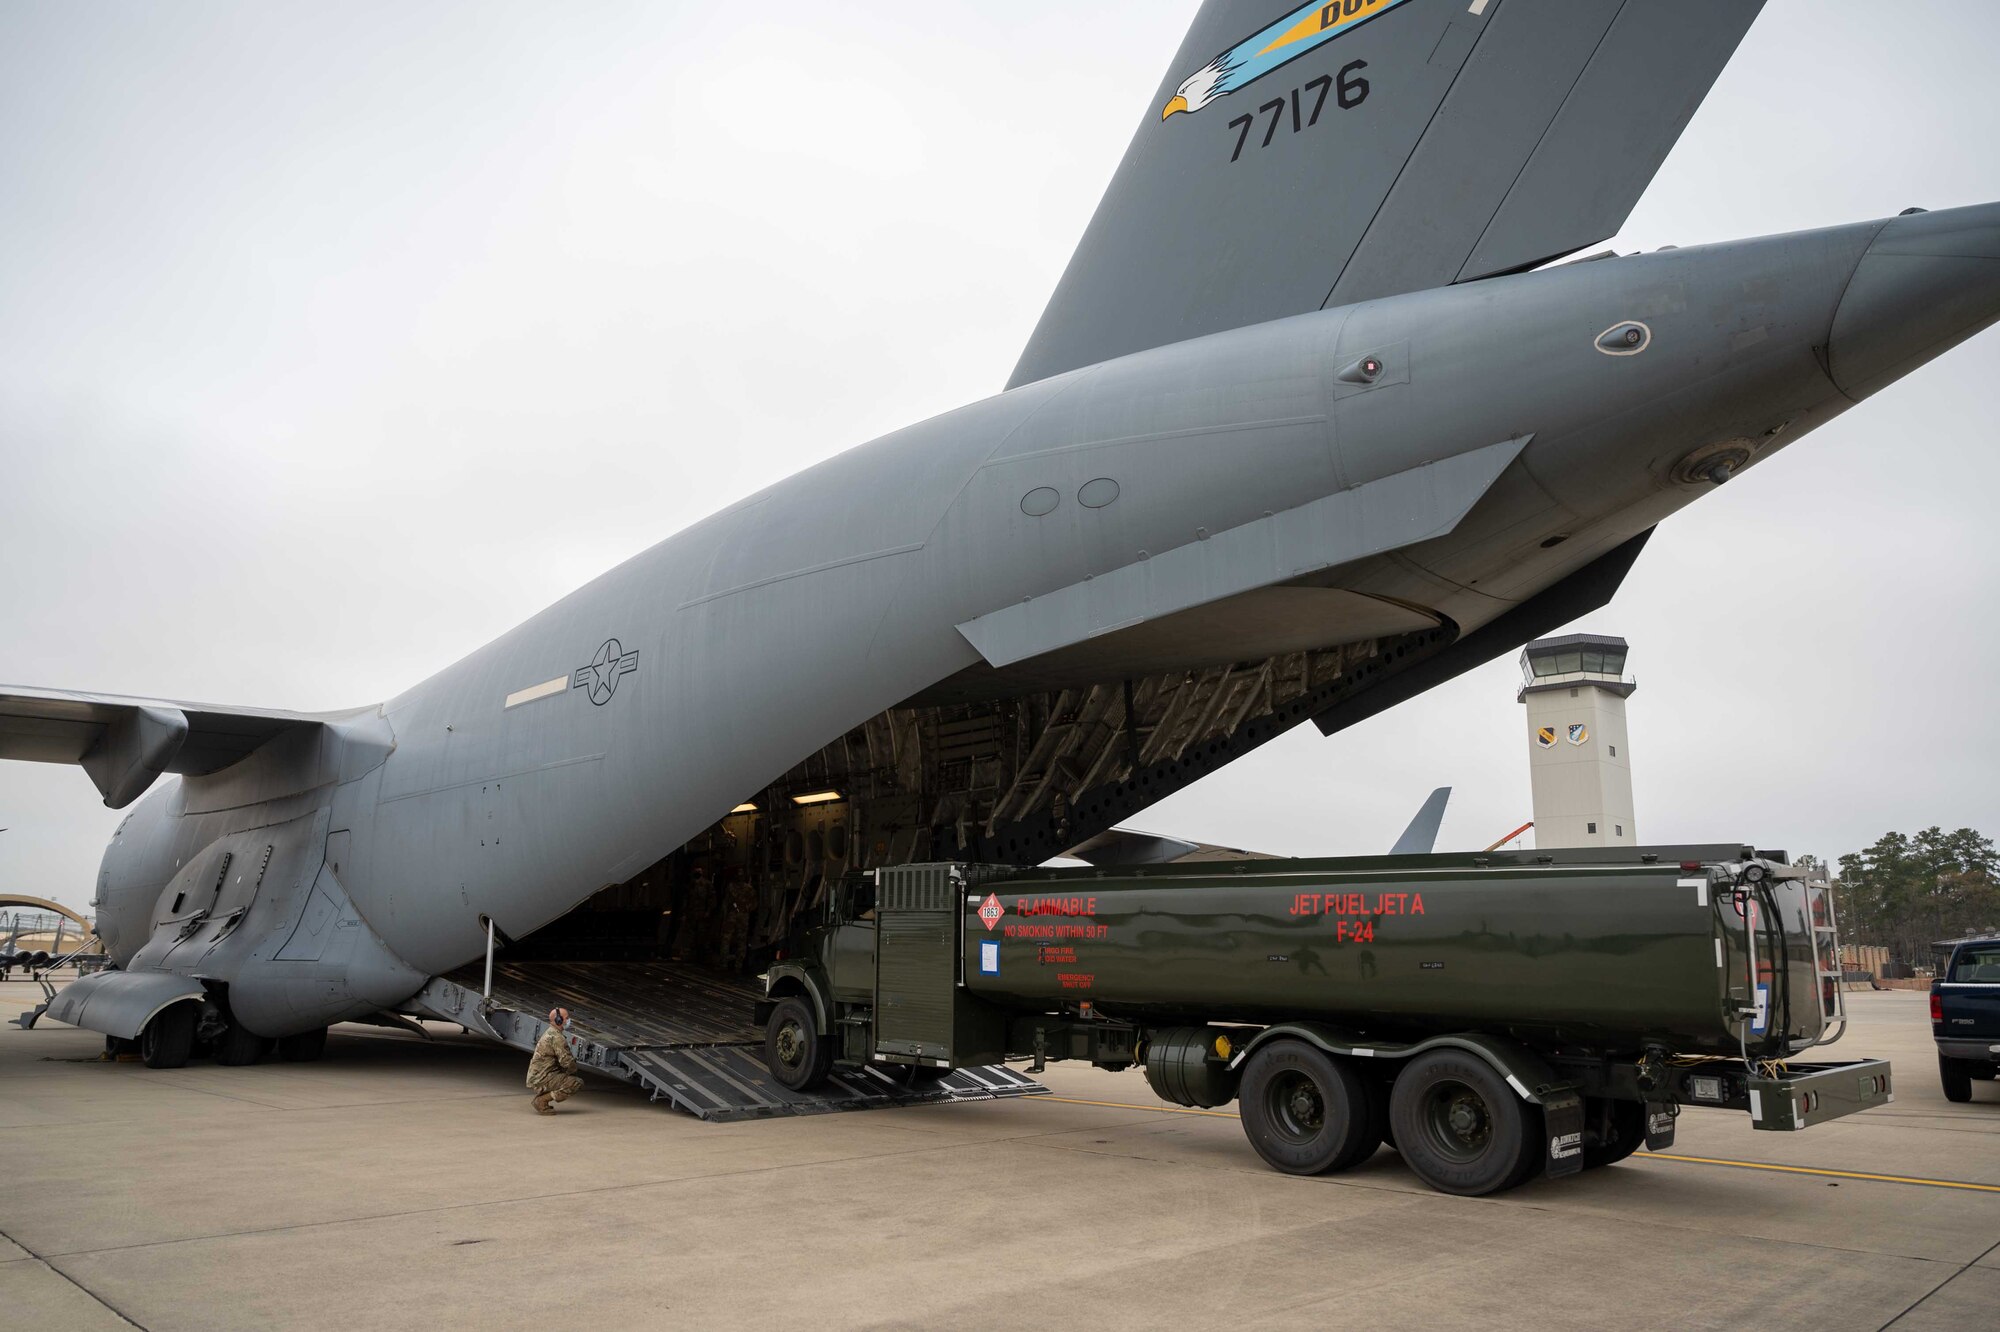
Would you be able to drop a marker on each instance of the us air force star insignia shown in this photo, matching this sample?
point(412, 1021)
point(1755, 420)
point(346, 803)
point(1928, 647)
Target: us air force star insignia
point(600, 677)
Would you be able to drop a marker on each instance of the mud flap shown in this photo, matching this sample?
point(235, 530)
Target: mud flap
point(1562, 1115)
point(1660, 1117)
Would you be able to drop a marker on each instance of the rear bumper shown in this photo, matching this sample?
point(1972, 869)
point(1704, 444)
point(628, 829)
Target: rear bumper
point(1803, 1095)
point(1974, 1049)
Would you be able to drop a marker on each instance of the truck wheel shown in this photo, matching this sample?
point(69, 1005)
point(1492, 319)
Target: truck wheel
point(1534, 1145)
point(1460, 1126)
point(169, 1037)
point(797, 1055)
point(1957, 1082)
point(1306, 1112)
point(1378, 1102)
point(237, 1047)
point(1619, 1128)
point(303, 1048)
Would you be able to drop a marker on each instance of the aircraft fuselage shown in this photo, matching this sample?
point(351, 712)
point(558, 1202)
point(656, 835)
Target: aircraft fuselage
point(1443, 456)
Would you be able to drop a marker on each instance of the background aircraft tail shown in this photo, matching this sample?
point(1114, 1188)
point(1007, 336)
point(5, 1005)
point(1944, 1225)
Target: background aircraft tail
point(1420, 838)
point(1300, 156)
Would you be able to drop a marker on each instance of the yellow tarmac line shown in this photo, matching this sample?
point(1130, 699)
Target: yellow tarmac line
point(1637, 1156)
point(1814, 1170)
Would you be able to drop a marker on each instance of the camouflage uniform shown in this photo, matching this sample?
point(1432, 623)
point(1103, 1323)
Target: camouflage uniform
point(693, 941)
point(737, 909)
point(552, 1068)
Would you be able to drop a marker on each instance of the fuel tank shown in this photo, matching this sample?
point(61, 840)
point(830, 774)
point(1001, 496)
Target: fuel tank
point(1699, 950)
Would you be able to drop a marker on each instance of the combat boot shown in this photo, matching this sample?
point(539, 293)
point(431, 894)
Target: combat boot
point(542, 1106)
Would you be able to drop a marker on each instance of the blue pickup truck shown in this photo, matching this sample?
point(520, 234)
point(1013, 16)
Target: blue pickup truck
point(1965, 1014)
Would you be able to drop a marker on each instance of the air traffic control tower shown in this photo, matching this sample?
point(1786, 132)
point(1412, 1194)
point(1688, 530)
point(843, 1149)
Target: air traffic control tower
point(1581, 767)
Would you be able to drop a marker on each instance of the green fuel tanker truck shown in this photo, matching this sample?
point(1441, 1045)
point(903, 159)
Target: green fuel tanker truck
point(1490, 1017)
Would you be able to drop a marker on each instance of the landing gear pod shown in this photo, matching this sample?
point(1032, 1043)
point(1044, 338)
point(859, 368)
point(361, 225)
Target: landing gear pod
point(1190, 1066)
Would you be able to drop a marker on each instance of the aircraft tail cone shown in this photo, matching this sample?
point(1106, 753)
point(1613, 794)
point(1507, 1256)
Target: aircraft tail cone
point(1927, 283)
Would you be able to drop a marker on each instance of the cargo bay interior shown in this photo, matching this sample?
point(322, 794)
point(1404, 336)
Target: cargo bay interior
point(668, 957)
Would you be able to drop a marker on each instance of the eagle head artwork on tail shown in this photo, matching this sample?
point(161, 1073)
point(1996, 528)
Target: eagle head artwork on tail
point(1304, 29)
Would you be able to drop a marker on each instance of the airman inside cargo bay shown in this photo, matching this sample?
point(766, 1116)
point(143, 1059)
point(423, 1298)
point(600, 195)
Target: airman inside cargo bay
point(739, 905)
point(552, 1068)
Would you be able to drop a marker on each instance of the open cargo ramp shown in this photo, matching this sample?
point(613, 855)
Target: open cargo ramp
point(685, 1034)
point(729, 1082)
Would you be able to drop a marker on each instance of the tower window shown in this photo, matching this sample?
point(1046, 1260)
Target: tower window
point(1619, 829)
point(1590, 827)
point(1614, 751)
point(1572, 693)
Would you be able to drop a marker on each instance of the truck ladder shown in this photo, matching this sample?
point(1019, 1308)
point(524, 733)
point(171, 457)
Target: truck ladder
point(1826, 962)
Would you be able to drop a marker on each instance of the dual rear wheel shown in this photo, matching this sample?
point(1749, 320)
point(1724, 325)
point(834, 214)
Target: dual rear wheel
point(1306, 1112)
point(1456, 1122)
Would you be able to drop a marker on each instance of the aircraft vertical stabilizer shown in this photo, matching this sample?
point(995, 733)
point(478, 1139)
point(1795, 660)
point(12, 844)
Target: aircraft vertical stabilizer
point(1300, 156)
point(1420, 838)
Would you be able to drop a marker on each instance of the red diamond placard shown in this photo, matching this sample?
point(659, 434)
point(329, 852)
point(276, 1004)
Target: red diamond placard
point(990, 910)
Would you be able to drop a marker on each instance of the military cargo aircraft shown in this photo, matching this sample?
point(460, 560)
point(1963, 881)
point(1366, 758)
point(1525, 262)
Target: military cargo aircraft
point(1313, 421)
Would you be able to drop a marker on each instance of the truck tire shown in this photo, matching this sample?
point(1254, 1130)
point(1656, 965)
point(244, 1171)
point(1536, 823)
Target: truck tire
point(797, 1055)
point(1378, 1102)
point(237, 1047)
point(1461, 1127)
point(168, 1038)
point(304, 1047)
point(1957, 1080)
point(1617, 1129)
point(1534, 1155)
point(1306, 1112)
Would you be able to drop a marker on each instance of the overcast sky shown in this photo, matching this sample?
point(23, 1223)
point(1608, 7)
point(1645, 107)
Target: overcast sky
point(337, 339)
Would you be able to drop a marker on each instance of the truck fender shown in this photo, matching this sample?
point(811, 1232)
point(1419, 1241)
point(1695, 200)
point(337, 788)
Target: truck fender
point(789, 978)
point(1524, 1070)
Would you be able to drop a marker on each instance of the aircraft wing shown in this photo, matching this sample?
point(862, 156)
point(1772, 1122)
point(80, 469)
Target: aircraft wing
point(1130, 846)
point(1302, 156)
point(125, 743)
point(1119, 847)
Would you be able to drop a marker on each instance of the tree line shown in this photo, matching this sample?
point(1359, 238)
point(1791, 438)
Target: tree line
point(1905, 893)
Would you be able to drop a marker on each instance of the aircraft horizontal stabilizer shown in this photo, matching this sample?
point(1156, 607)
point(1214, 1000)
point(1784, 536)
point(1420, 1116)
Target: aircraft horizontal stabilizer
point(1385, 514)
point(123, 744)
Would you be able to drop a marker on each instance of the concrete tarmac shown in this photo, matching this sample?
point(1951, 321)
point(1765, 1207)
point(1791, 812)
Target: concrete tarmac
point(406, 1184)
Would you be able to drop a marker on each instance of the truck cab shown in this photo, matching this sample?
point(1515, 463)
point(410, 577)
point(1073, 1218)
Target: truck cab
point(1965, 1014)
